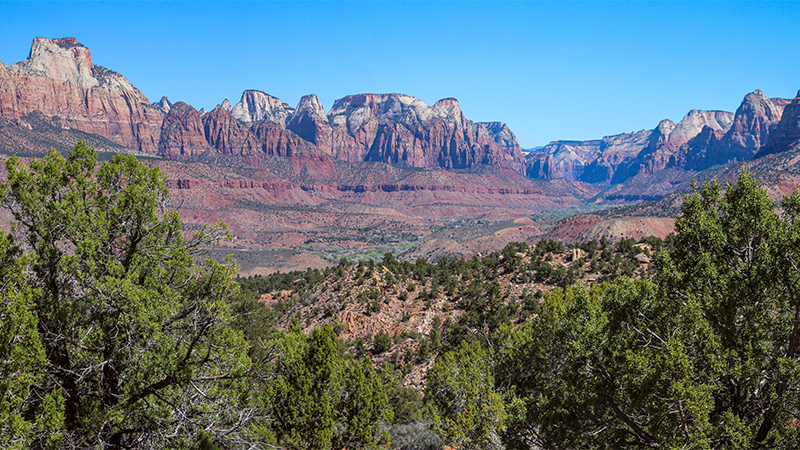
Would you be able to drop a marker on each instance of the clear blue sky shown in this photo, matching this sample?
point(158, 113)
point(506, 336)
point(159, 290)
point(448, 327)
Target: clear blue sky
point(551, 70)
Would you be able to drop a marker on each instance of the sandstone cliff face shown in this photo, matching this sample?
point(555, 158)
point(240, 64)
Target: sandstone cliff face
point(257, 105)
point(698, 152)
point(310, 123)
point(567, 159)
point(59, 79)
point(754, 119)
point(402, 130)
point(693, 123)
point(659, 149)
point(182, 133)
point(276, 141)
point(787, 131)
point(163, 105)
point(227, 135)
point(615, 159)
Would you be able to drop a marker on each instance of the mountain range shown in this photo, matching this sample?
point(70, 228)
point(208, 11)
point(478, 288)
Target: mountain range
point(376, 171)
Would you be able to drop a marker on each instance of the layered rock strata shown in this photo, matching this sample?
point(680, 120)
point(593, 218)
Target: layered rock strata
point(702, 139)
point(59, 79)
point(787, 131)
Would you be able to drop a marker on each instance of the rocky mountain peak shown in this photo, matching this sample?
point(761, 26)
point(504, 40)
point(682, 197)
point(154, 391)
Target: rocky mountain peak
point(692, 124)
point(163, 105)
point(182, 133)
point(665, 127)
point(754, 119)
point(311, 106)
point(226, 105)
point(787, 132)
point(502, 134)
point(65, 60)
point(757, 104)
point(59, 79)
point(258, 105)
point(310, 122)
point(450, 108)
point(353, 111)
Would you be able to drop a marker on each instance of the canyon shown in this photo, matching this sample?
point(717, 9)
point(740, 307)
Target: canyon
point(300, 187)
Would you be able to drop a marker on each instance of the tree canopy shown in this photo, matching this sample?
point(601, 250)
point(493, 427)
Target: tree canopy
point(702, 356)
point(134, 337)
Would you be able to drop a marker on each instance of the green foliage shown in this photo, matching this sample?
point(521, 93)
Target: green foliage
point(309, 379)
point(703, 356)
point(383, 342)
point(362, 406)
point(321, 400)
point(298, 281)
point(737, 257)
point(460, 390)
point(135, 334)
point(549, 246)
point(22, 357)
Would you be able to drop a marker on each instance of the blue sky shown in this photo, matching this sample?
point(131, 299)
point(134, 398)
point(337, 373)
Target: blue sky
point(550, 70)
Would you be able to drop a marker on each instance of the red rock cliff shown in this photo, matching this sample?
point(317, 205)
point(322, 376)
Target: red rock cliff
point(59, 79)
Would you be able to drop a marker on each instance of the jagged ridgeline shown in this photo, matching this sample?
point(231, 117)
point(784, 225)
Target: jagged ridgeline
point(373, 168)
point(60, 80)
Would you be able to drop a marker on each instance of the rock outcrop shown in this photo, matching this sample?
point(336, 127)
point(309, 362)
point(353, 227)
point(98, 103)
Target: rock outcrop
point(787, 131)
point(567, 159)
point(227, 135)
point(659, 149)
point(182, 133)
point(59, 79)
point(163, 105)
point(616, 161)
point(693, 123)
point(754, 119)
point(697, 153)
point(402, 130)
point(256, 105)
point(310, 123)
point(700, 140)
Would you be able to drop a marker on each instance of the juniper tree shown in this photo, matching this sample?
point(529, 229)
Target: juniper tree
point(135, 336)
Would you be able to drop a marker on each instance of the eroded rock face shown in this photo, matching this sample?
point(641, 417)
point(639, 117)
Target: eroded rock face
point(59, 79)
point(402, 130)
point(163, 105)
point(693, 123)
point(787, 131)
point(754, 119)
point(615, 159)
point(182, 133)
point(257, 105)
point(540, 165)
point(310, 123)
point(274, 140)
point(698, 152)
point(227, 135)
point(659, 149)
